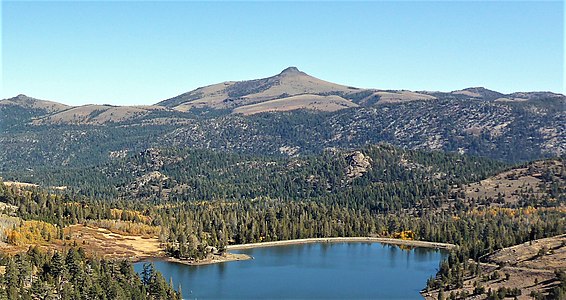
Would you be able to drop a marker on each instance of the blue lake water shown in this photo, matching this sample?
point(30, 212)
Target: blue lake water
point(321, 270)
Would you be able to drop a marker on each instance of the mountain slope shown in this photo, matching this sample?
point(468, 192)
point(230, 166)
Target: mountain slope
point(305, 101)
point(96, 114)
point(291, 113)
point(18, 111)
point(231, 94)
point(479, 92)
point(290, 82)
point(23, 110)
point(32, 103)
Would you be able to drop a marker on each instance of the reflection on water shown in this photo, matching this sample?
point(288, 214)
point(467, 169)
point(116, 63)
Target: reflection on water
point(323, 270)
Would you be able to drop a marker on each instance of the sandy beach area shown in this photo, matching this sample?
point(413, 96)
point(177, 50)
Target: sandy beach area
point(390, 241)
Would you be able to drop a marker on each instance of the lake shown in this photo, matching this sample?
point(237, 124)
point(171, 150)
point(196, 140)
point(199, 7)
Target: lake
point(321, 270)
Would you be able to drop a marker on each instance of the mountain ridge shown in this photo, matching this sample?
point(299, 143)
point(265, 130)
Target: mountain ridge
point(277, 93)
point(34, 103)
point(312, 116)
point(231, 94)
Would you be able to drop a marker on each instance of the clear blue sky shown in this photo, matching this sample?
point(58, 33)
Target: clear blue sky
point(143, 52)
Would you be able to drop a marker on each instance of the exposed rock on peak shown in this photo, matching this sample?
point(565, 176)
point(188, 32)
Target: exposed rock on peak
point(21, 96)
point(291, 71)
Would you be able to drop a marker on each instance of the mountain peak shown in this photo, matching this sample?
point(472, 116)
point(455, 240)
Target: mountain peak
point(21, 97)
point(479, 92)
point(291, 70)
point(29, 102)
point(478, 89)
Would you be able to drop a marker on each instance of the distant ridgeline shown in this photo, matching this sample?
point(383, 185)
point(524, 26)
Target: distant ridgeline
point(288, 114)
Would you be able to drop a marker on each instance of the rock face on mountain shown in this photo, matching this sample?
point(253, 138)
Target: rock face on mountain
point(358, 165)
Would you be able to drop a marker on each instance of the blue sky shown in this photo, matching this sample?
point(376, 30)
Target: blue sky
point(142, 52)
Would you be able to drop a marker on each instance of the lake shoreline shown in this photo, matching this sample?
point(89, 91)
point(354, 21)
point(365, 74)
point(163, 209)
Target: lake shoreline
point(390, 241)
point(300, 261)
point(228, 256)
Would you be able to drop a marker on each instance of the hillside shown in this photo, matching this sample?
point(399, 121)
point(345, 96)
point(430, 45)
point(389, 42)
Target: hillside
point(188, 205)
point(534, 269)
point(23, 110)
point(291, 113)
point(290, 82)
point(307, 101)
point(535, 184)
point(158, 173)
point(34, 104)
point(96, 114)
point(237, 95)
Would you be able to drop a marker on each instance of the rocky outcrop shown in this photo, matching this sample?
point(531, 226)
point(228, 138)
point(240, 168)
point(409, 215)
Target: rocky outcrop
point(152, 158)
point(358, 165)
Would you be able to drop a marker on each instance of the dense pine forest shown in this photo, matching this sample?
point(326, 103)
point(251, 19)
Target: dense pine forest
point(380, 175)
point(36, 274)
point(196, 202)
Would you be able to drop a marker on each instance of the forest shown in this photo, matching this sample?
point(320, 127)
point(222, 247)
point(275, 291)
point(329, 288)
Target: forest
point(37, 274)
point(196, 202)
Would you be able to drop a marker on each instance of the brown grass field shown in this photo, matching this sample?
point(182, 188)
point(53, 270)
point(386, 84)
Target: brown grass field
point(529, 269)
